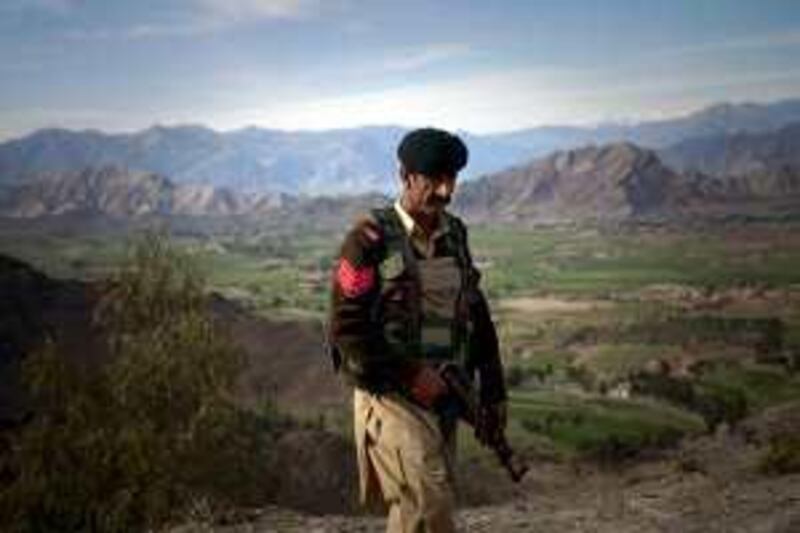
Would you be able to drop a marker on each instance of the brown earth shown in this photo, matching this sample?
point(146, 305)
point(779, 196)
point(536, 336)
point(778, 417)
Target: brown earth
point(710, 485)
point(286, 361)
point(548, 305)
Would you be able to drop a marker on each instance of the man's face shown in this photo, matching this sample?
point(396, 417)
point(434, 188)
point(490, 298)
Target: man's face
point(429, 195)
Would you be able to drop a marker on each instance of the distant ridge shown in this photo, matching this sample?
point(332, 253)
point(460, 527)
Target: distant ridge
point(718, 119)
point(612, 182)
point(762, 164)
point(246, 160)
point(346, 161)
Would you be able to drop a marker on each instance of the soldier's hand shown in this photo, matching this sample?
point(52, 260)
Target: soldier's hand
point(490, 424)
point(427, 386)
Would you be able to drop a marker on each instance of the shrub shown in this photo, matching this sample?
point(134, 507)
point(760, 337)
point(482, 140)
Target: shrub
point(717, 403)
point(151, 433)
point(782, 456)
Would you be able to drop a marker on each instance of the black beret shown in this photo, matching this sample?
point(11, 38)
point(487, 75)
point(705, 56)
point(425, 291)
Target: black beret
point(432, 152)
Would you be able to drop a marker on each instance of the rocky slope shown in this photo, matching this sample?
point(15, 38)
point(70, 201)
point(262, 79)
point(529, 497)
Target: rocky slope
point(126, 193)
point(283, 359)
point(34, 307)
point(616, 181)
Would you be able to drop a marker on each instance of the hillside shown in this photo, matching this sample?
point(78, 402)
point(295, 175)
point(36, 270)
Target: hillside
point(616, 181)
point(125, 193)
point(34, 307)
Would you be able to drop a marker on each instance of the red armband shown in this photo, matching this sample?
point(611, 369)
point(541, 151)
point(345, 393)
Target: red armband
point(353, 280)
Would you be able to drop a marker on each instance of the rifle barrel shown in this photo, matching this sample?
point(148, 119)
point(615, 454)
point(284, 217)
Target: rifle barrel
point(462, 389)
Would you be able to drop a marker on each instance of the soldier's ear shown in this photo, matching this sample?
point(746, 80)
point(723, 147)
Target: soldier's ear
point(403, 173)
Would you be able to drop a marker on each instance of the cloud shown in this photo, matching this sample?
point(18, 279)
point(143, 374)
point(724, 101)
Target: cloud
point(144, 31)
point(520, 98)
point(205, 17)
point(414, 59)
point(248, 10)
point(380, 62)
point(478, 102)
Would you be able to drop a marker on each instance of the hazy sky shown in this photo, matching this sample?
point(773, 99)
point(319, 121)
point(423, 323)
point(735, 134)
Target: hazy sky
point(310, 64)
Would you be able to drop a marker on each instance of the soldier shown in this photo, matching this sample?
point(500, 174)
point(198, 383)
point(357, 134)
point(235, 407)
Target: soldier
point(405, 301)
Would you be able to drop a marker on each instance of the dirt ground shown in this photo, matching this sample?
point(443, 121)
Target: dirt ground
point(546, 305)
point(710, 485)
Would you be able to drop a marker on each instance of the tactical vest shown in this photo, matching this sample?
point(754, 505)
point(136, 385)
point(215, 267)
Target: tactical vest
point(423, 307)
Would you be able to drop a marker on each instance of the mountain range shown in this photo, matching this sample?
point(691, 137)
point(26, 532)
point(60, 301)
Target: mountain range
point(347, 161)
point(335, 162)
point(716, 120)
point(616, 181)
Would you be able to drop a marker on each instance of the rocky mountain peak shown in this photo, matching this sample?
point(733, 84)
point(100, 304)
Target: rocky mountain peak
point(611, 181)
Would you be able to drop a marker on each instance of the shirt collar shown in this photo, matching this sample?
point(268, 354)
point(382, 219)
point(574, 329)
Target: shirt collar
point(410, 226)
point(405, 218)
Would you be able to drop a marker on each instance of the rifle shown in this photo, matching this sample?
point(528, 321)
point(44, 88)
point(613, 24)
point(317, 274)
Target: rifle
point(463, 399)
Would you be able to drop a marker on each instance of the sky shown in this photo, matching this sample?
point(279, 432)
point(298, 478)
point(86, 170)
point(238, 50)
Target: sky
point(480, 66)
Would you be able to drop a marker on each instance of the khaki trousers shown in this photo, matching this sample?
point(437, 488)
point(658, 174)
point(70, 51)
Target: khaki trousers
point(405, 457)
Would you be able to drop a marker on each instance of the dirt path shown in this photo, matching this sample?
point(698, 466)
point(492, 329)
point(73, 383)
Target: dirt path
point(530, 305)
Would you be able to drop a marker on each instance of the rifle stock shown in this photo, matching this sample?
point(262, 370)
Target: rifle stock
point(468, 407)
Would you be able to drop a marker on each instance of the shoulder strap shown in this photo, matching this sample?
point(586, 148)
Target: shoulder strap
point(391, 227)
point(459, 230)
point(395, 238)
point(397, 241)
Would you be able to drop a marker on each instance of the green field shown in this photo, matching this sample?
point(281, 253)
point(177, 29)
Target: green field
point(566, 261)
point(591, 262)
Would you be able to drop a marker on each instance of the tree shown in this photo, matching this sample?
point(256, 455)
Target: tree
point(152, 433)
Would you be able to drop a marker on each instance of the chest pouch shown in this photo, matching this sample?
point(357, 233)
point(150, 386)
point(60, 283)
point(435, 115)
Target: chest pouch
point(440, 285)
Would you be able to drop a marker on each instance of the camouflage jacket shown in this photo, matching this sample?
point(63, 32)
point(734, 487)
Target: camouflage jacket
point(375, 313)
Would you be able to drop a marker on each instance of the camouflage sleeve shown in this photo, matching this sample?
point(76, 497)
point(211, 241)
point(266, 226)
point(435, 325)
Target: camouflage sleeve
point(366, 358)
point(484, 347)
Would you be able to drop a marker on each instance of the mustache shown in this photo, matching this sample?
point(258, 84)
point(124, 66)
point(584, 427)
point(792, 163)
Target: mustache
point(441, 200)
